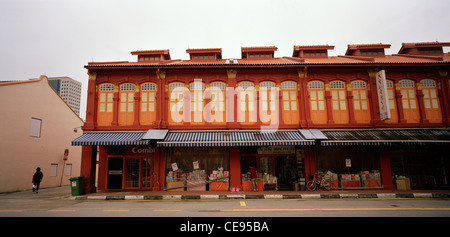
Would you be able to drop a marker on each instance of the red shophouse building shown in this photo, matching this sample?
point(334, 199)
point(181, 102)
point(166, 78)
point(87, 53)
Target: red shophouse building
point(167, 124)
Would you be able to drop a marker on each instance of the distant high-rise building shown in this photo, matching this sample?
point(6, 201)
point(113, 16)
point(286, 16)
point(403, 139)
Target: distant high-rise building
point(69, 89)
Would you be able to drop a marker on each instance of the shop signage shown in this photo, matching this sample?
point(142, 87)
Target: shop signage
point(66, 154)
point(142, 150)
point(196, 165)
point(348, 163)
point(383, 99)
point(276, 150)
point(174, 166)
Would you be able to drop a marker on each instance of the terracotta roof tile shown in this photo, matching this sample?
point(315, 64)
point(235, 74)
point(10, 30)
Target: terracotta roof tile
point(333, 60)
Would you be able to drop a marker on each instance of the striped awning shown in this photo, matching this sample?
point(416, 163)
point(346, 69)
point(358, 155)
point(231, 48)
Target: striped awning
point(111, 138)
point(386, 137)
point(233, 138)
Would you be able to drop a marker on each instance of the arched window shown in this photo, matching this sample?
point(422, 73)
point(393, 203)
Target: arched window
point(318, 106)
point(409, 101)
point(290, 113)
point(392, 102)
point(431, 101)
point(246, 103)
point(339, 102)
point(360, 102)
point(126, 104)
point(217, 104)
point(176, 97)
point(197, 91)
point(105, 104)
point(148, 104)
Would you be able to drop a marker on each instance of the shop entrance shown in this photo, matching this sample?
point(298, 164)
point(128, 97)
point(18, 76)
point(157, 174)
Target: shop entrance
point(286, 171)
point(424, 168)
point(284, 167)
point(115, 173)
point(139, 173)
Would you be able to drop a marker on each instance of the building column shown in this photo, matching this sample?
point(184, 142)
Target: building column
point(386, 170)
point(398, 97)
point(310, 160)
point(329, 105)
point(235, 167)
point(159, 169)
point(444, 96)
point(91, 103)
point(88, 167)
point(302, 99)
point(102, 167)
point(162, 106)
point(350, 104)
point(423, 115)
point(231, 101)
point(137, 103)
point(116, 108)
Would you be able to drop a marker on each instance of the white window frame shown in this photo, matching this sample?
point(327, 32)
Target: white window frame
point(53, 169)
point(35, 127)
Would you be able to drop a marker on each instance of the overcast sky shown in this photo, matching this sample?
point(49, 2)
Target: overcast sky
point(58, 37)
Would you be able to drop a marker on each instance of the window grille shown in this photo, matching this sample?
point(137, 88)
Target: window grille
point(246, 85)
point(406, 83)
point(390, 84)
point(127, 87)
point(267, 85)
point(428, 83)
point(197, 86)
point(106, 87)
point(148, 87)
point(288, 85)
point(217, 86)
point(337, 85)
point(358, 84)
point(176, 86)
point(315, 85)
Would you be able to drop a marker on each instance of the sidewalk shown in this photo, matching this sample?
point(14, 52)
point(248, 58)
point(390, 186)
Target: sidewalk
point(272, 194)
point(65, 193)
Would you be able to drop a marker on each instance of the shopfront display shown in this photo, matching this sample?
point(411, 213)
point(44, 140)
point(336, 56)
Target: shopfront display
point(370, 179)
point(279, 167)
point(270, 182)
point(175, 181)
point(351, 167)
point(247, 182)
point(197, 169)
point(219, 180)
point(350, 181)
point(196, 181)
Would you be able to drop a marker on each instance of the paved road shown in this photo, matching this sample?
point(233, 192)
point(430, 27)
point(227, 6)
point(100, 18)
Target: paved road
point(230, 208)
point(56, 202)
point(262, 215)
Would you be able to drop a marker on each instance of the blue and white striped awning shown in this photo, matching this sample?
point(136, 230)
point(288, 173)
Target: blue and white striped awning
point(364, 137)
point(111, 138)
point(233, 138)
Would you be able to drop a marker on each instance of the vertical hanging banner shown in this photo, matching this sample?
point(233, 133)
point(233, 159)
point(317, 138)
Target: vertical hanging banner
point(383, 99)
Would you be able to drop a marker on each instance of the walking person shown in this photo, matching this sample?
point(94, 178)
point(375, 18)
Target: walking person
point(37, 179)
point(254, 177)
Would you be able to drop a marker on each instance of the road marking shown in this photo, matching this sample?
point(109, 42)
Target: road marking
point(73, 210)
point(243, 204)
point(167, 210)
point(336, 209)
point(116, 209)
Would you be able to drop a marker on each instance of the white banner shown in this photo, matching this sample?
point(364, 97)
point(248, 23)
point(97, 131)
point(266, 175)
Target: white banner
point(383, 99)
